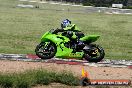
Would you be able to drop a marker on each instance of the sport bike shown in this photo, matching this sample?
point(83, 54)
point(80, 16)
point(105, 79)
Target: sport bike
point(55, 44)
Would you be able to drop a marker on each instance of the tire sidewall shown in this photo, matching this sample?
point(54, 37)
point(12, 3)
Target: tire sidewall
point(97, 59)
point(45, 57)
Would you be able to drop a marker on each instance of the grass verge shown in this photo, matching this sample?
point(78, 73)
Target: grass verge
point(35, 77)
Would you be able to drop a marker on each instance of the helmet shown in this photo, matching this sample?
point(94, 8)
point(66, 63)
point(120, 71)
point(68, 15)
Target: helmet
point(65, 23)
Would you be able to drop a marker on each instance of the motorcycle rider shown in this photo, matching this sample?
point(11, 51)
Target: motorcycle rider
point(72, 32)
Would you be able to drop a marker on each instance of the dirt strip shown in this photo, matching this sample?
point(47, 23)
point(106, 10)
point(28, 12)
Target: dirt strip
point(94, 72)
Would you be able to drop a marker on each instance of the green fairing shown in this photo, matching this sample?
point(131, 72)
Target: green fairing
point(90, 38)
point(62, 51)
point(65, 52)
point(57, 39)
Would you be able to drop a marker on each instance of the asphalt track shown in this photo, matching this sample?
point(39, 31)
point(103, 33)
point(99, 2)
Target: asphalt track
point(34, 58)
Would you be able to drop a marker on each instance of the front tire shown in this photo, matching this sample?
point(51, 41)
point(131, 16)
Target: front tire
point(46, 50)
point(94, 56)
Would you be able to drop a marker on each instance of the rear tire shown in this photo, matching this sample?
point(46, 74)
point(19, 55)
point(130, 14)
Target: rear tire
point(91, 58)
point(46, 50)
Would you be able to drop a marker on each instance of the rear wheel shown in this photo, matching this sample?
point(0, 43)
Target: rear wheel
point(46, 50)
point(95, 54)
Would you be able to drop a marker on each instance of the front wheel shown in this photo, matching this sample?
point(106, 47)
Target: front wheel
point(94, 54)
point(46, 50)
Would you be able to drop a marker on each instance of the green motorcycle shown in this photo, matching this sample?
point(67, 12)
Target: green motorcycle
point(59, 45)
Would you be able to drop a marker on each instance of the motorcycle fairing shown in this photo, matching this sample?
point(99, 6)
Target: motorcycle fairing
point(90, 38)
point(62, 51)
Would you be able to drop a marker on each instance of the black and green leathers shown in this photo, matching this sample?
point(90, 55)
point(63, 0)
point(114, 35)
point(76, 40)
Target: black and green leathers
point(71, 31)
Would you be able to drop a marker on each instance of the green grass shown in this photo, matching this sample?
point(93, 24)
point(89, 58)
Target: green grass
point(21, 28)
point(36, 77)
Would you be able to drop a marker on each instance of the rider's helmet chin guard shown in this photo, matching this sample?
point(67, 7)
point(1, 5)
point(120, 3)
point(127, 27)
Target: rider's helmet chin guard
point(65, 23)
